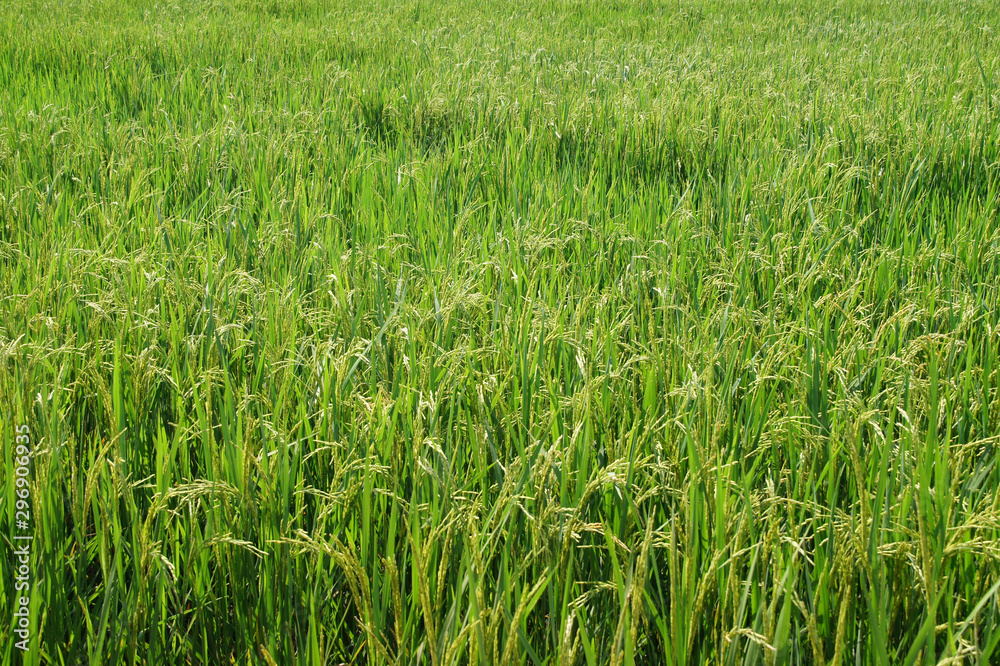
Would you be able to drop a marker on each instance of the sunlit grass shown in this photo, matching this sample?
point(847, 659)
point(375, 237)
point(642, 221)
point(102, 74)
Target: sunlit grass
point(536, 332)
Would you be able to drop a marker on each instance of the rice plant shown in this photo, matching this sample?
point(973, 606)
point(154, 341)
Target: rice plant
point(536, 332)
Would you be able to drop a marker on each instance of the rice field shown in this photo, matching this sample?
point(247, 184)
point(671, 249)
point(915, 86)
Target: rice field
point(542, 332)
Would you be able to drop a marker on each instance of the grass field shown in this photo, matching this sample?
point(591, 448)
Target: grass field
point(532, 332)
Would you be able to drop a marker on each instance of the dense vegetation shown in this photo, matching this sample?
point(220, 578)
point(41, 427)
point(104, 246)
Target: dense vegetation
point(544, 332)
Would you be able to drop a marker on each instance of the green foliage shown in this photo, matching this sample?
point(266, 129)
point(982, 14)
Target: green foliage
point(548, 332)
